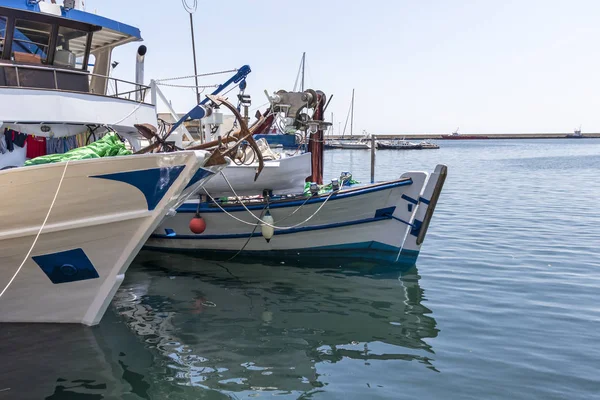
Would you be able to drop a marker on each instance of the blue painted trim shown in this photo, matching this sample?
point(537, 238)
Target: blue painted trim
point(153, 183)
point(372, 251)
point(403, 221)
point(67, 266)
point(277, 232)
point(170, 233)
point(424, 200)
point(198, 176)
point(77, 15)
point(385, 212)
point(416, 227)
point(410, 199)
point(205, 207)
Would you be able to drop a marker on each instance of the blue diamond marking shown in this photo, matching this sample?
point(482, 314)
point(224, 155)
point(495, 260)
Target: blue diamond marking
point(153, 183)
point(67, 266)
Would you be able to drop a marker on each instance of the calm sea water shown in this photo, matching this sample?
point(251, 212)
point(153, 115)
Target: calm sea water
point(504, 302)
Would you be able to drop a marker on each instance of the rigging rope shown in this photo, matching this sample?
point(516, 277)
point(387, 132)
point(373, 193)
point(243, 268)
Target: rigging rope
point(197, 76)
point(186, 86)
point(261, 222)
point(39, 232)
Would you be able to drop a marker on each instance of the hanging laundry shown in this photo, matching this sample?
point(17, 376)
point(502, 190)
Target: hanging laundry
point(13, 138)
point(36, 146)
point(71, 143)
point(3, 148)
point(55, 145)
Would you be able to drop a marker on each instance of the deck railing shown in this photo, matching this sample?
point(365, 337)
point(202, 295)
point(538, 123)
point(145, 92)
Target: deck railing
point(62, 79)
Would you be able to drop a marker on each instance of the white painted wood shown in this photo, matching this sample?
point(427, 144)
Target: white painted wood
point(58, 107)
point(283, 176)
point(108, 219)
point(389, 232)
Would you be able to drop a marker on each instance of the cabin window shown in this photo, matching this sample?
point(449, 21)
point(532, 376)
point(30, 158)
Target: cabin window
point(3, 22)
point(70, 48)
point(31, 42)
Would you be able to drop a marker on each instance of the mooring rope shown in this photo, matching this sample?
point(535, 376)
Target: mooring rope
point(39, 232)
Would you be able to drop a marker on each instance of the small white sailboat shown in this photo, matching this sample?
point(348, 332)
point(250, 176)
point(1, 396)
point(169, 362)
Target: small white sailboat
point(362, 144)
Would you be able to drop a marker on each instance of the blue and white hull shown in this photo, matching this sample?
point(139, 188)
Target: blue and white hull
point(384, 222)
point(70, 230)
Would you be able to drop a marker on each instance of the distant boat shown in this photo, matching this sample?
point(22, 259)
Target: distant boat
point(576, 134)
point(397, 144)
point(361, 144)
point(457, 136)
point(426, 144)
point(405, 145)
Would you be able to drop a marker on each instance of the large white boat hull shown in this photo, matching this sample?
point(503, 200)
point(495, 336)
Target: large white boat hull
point(385, 222)
point(104, 211)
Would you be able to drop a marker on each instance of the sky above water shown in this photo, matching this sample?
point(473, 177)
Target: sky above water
point(417, 66)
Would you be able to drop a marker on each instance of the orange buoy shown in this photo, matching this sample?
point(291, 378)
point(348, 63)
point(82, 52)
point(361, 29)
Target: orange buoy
point(197, 225)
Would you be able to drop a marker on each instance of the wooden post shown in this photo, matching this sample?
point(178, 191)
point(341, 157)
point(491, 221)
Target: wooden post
point(373, 145)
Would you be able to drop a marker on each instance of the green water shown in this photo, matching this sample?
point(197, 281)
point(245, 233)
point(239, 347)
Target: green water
point(503, 302)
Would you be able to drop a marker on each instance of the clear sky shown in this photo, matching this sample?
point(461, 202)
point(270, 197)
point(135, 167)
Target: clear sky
point(417, 66)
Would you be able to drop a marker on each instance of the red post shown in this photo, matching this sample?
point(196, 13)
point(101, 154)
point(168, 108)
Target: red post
point(316, 144)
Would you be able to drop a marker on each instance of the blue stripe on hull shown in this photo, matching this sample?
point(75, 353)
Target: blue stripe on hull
point(364, 251)
point(205, 208)
point(174, 235)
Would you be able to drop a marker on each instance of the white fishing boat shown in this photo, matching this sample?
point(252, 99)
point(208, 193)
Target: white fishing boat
point(283, 173)
point(70, 230)
point(283, 176)
point(72, 223)
point(385, 221)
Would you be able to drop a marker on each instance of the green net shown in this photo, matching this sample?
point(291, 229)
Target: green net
point(108, 146)
point(327, 188)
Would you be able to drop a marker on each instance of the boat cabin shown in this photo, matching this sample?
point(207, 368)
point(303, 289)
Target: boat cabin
point(55, 83)
point(47, 46)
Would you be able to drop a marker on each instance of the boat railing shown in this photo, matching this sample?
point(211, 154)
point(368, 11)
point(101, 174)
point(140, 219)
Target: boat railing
point(62, 79)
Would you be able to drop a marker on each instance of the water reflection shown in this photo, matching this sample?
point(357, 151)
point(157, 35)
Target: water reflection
point(67, 361)
point(240, 328)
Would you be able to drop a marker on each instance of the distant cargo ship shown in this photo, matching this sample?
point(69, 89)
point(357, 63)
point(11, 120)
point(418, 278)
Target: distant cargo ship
point(458, 136)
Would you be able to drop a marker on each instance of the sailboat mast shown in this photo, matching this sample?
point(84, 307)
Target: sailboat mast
point(303, 64)
point(352, 113)
point(332, 123)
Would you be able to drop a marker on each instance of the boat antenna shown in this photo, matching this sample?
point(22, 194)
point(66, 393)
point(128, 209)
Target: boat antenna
point(303, 66)
point(191, 9)
point(300, 74)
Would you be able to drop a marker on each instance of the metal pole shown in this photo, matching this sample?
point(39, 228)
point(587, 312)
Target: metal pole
point(195, 63)
point(303, 64)
point(373, 144)
point(351, 118)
